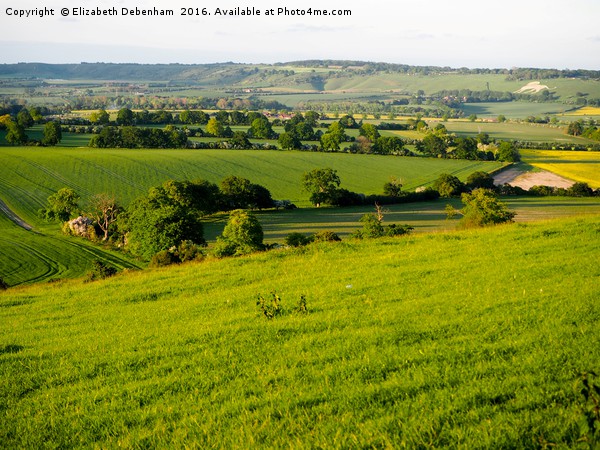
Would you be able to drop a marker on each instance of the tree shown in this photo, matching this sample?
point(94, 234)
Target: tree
point(289, 141)
point(580, 189)
point(243, 234)
point(125, 117)
point(52, 133)
point(105, 211)
point(369, 131)
point(304, 131)
point(238, 193)
point(312, 118)
point(482, 207)
point(390, 145)
point(239, 140)
point(24, 118)
point(261, 129)
point(393, 188)
point(575, 128)
point(348, 122)
point(330, 141)
point(448, 185)
point(100, 117)
point(480, 180)
point(433, 145)
point(321, 184)
point(215, 127)
point(508, 152)
point(15, 134)
point(162, 219)
point(466, 148)
point(61, 205)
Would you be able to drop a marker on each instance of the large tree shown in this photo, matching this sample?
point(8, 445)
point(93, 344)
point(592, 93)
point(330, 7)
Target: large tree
point(61, 205)
point(52, 133)
point(321, 184)
point(448, 185)
point(125, 117)
point(261, 129)
point(162, 219)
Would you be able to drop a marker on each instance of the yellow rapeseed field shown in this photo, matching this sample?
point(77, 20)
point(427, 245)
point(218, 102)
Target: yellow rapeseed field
point(576, 165)
point(585, 111)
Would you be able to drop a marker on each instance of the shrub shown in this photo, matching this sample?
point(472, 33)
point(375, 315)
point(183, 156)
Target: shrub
point(186, 251)
point(243, 234)
point(326, 236)
point(482, 207)
point(100, 271)
point(398, 230)
point(297, 240)
point(3, 285)
point(163, 258)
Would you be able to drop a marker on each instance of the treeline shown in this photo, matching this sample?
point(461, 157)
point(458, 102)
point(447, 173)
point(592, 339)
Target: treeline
point(454, 98)
point(589, 130)
point(513, 74)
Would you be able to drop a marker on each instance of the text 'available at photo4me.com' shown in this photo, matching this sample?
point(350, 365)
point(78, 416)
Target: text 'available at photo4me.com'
point(191, 11)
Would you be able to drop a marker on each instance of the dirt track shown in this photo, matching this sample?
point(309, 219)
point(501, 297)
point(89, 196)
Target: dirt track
point(526, 180)
point(4, 209)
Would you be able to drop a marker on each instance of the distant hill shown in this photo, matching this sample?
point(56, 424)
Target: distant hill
point(226, 73)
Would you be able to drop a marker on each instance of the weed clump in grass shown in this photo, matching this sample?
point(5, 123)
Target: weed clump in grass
point(100, 271)
point(271, 306)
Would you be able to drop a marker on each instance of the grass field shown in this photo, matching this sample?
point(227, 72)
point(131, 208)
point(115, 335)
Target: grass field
point(471, 339)
point(517, 109)
point(30, 175)
point(423, 216)
point(46, 254)
point(580, 166)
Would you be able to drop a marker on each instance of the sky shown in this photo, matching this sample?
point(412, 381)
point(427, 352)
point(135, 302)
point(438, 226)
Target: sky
point(456, 33)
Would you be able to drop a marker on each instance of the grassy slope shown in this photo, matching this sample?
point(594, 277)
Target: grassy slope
point(471, 339)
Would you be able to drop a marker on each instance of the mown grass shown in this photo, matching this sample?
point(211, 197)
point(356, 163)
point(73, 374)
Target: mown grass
point(576, 165)
point(469, 339)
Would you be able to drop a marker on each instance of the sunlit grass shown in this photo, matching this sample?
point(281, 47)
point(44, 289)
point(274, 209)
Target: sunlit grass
point(468, 339)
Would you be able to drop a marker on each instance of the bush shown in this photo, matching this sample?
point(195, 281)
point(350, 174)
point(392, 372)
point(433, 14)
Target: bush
point(326, 236)
point(482, 207)
point(297, 240)
point(100, 271)
point(164, 258)
point(186, 251)
point(398, 230)
point(243, 234)
point(3, 285)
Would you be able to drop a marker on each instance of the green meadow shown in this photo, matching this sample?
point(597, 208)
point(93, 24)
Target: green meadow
point(471, 339)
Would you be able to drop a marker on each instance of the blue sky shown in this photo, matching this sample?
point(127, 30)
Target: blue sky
point(459, 33)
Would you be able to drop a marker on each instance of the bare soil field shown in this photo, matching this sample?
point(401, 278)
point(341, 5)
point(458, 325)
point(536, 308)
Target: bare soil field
point(517, 177)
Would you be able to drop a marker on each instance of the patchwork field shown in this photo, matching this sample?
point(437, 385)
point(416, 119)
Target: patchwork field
point(475, 339)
